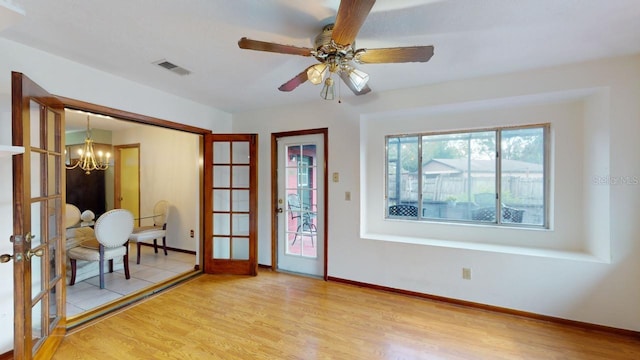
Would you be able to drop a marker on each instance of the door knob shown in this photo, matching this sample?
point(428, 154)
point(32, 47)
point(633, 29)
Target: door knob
point(4, 258)
point(279, 210)
point(38, 253)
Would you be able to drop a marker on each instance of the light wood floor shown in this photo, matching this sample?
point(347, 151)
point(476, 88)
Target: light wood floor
point(281, 316)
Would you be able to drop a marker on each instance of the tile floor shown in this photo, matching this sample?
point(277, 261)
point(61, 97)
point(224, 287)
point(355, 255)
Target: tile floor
point(153, 268)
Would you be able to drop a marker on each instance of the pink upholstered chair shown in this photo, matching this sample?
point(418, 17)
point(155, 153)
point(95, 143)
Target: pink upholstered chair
point(154, 232)
point(112, 231)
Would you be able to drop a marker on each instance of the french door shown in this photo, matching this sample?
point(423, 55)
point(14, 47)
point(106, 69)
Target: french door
point(38, 197)
point(231, 178)
point(301, 194)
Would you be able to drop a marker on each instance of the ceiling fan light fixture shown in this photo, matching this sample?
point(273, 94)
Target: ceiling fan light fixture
point(358, 78)
point(315, 74)
point(327, 92)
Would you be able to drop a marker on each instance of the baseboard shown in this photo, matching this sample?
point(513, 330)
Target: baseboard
point(169, 248)
point(7, 356)
point(498, 309)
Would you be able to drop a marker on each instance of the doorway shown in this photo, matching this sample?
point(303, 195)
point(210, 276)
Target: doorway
point(172, 157)
point(300, 202)
point(127, 178)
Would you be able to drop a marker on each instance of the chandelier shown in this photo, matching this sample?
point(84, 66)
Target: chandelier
point(88, 160)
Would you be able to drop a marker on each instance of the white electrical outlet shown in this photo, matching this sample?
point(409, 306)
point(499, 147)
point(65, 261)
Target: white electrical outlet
point(466, 273)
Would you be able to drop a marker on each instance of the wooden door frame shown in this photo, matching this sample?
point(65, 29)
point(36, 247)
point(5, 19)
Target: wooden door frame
point(148, 120)
point(274, 192)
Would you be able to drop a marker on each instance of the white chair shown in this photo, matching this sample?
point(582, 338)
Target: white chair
point(112, 231)
point(71, 215)
point(154, 232)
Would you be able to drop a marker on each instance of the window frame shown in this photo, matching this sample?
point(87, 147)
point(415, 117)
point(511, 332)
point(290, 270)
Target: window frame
point(498, 130)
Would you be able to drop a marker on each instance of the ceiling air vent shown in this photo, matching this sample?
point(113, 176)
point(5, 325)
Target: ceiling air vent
point(172, 67)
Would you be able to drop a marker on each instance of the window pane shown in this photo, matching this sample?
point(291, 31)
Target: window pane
point(522, 180)
point(402, 170)
point(459, 180)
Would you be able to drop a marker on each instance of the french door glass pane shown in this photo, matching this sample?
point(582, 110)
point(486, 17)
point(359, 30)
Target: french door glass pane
point(34, 123)
point(221, 224)
point(240, 200)
point(53, 143)
point(221, 248)
point(221, 152)
point(241, 224)
point(53, 185)
point(37, 282)
point(221, 176)
point(221, 200)
point(241, 152)
point(37, 214)
point(240, 250)
point(37, 328)
point(53, 265)
point(240, 177)
point(37, 159)
point(53, 305)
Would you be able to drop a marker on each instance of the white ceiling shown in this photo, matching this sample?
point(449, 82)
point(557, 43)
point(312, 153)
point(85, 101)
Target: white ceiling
point(471, 37)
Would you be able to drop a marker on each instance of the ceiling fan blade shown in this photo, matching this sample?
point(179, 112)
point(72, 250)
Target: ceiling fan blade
point(396, 55)
point(351, 16)
point(295, 82)
point(245, 43)
point(345, 78)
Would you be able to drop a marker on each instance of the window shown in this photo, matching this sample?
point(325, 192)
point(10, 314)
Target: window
point(491, 176)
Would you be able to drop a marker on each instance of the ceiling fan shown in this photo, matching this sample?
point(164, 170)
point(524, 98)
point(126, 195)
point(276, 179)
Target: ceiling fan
point(336, 52)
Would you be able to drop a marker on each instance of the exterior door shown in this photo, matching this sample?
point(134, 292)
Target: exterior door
point(301, 167)
point(127, 178)
point(231, 180)
point(38, 196)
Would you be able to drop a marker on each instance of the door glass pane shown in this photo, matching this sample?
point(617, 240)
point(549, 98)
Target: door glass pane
point(221, 248)
point(221, 224)
point(241, 152)
point(241, 176)
point(241, 224)
point(53, 268)
point(240, 200)
point(37, 282)
point(221, 200)
point(292, 178)
point(53, 179)
point(37, 161)
point(37, 214)
point(36, 323)
point(221, 152)
point(34, 117)
point(240, 249)
point(52, 223)
point(221, 175)
point(53, 305)
point(51, 131)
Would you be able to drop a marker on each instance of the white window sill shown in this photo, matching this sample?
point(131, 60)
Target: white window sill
point(504, 249)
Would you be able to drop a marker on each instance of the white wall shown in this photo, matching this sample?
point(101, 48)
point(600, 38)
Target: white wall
point(169, 170)
point(584, 268)
point(66, 78)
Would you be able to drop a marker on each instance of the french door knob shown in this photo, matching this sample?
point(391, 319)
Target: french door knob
point(4, 258)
